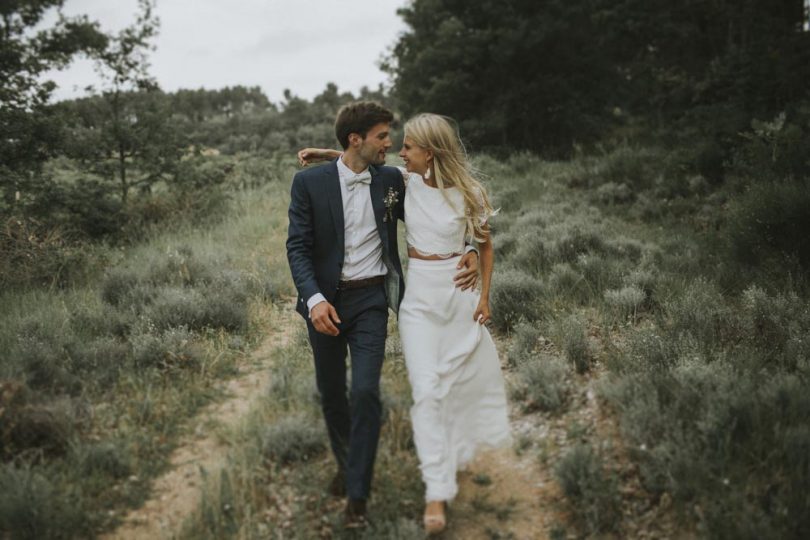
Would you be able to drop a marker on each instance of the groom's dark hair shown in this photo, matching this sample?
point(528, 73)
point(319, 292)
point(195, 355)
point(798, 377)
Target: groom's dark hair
point(359, 117)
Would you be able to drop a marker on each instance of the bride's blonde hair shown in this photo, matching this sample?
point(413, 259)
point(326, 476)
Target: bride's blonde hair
point(452, 168)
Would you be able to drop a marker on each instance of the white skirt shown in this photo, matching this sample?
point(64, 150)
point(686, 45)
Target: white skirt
point(458, 390)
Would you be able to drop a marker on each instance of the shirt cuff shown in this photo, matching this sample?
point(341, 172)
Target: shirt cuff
point(314, 300)
point(468, 248)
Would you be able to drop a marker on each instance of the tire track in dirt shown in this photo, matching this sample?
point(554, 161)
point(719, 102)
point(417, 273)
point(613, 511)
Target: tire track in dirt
point(508, 493)
point(513, 493)
point(178, 493)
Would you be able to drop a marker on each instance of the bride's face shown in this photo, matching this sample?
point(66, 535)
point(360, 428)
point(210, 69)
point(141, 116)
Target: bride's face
point(414, 156)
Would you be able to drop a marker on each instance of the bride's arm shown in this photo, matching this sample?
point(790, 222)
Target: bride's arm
point(486, 261)
point(314, 155)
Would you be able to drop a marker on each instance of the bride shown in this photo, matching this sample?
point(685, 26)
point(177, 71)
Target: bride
point(458, 390)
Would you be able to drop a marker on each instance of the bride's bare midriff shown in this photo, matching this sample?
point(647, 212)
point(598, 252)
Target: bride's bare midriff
point(413, 254)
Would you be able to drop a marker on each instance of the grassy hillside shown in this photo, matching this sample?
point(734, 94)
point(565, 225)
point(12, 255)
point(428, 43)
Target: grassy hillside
point(98, 378)
point(612, 273)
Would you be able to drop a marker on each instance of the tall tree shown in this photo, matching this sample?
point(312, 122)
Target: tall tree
point(29, 131)
point(136, 134)
point(518, 74)
point(539, 74)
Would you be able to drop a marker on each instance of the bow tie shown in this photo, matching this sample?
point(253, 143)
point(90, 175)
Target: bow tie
point(362, 178)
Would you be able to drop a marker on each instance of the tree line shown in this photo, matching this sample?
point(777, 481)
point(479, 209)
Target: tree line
point(543, 75)
point(91, 165)
point(721, 85)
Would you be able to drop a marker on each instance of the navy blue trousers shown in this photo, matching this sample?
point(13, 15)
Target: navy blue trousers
point(353, 421)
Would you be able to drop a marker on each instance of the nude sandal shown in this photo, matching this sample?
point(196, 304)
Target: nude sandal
point(435, 517)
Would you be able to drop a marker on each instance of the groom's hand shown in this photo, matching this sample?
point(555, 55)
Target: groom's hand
point(324, 317)
point(468, 277)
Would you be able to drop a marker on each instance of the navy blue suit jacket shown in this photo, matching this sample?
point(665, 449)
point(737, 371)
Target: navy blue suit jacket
point(315, 239)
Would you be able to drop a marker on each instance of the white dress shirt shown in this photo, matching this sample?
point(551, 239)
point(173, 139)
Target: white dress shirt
point(362, 256)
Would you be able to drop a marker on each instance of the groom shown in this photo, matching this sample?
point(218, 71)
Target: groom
point(342, 250)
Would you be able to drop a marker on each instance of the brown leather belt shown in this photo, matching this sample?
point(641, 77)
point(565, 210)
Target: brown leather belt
point(360, 283)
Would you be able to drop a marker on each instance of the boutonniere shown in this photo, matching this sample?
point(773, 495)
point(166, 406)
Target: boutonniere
point(390, 200)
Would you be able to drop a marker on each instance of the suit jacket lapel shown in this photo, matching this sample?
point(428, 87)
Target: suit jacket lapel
point(336, 203)
point(377, 203)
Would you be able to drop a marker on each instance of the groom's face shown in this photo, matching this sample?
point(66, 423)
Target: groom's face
point(377, 142)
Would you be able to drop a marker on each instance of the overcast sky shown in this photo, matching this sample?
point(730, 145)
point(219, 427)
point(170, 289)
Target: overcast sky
point(274, 44)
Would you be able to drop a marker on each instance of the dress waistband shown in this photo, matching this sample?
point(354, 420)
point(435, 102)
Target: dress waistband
point(434, 264)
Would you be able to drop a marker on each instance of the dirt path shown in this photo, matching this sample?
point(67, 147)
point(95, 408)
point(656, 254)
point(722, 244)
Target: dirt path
point(177, 493)
point(509, 493)
point(513, 493)
point(503, 496)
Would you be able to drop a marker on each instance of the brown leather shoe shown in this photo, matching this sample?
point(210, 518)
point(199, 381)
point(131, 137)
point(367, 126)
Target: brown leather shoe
point(337, 487)
point(355, 516)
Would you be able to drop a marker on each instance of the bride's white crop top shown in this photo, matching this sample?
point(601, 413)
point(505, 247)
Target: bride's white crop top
point(435, 224)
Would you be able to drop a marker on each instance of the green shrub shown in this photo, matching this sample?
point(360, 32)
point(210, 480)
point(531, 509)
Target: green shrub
point(701, 311)
point(174, 348)
point(592, 493)
point(293, 439)
point(182, 290)
point(569, 241)
point(769, 224)
point(225, 306)
point(101, 360)
point(633, 166)
point(33, 254)
point(777, 149)
point(160, 211)
point(612, 193)
point(600, 273)
point(65, 354)
point(175, 307)
point(101, 321)
point(197, 309)
point(625, 303)
point(647, 282)
point(94, 208)
point(542, 383)
point(508, 199)
point(731, 441)
point(773, 319)
point(254, 171)
point(525, 338)
point(516, 296)
point(33, 508)
point(29, 422)
point(531, 253)
point(109, 459)
point(292, 386)
point(625, 248)
point(570, 336)
point(43, 362)
point(524, 163)
point(202, 172)
point(709, 161)
point(566, 282)
point(648, 349)
point(180, 268)
point(117, 285)
point(504, 242)
point(778, 327)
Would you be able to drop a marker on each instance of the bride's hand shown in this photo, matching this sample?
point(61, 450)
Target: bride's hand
point(482, 314)
point(313, 155)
